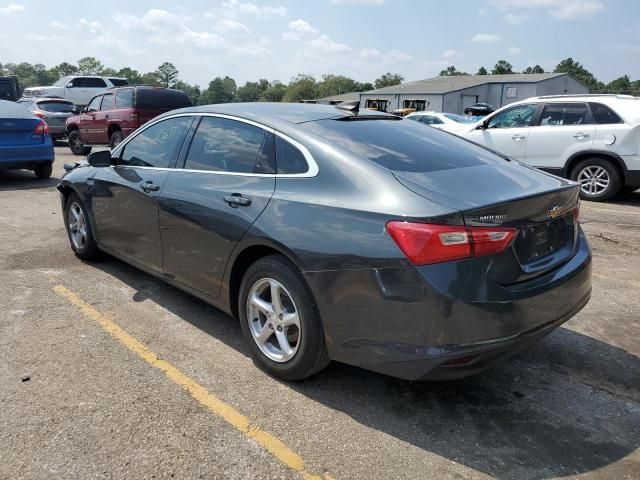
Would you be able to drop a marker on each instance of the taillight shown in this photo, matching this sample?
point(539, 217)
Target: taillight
point(425, 243)
point(40, 115)
point(42, 128)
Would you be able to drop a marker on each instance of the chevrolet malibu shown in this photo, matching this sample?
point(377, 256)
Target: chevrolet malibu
point(333, 234)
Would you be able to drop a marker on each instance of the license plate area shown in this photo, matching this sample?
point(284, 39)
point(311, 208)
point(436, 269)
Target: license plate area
point(538, 242)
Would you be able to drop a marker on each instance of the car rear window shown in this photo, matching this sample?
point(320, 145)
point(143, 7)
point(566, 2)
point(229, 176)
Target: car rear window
point(58, 107)
point(603, 114)
point(119, 82)
point(402, 146)
point(161, 99)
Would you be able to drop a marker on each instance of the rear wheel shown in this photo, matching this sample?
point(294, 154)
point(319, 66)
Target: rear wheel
point(115, 138)
point(79, 229)
point(279, 320)
point(599, 179)
point(43, 170)
point(76, 145)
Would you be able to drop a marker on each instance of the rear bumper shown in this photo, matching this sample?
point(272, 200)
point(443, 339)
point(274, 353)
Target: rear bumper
point(434, 323)
point(17, 157)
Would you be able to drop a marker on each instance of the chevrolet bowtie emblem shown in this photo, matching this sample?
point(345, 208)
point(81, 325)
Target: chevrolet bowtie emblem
point(554, 211)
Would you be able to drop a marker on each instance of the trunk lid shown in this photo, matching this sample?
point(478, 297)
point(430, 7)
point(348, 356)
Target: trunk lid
point(19, 131)
point(540, 206)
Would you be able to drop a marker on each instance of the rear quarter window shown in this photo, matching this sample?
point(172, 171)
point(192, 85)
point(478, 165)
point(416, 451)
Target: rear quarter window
point(604, 115)
point(118, 82)
point(402, 146)
point(161, 99)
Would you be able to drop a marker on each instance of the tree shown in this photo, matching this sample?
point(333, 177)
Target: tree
point(64, 69)
point(149, 78)
point(502, 68)
point(535, 69)
point(363, 86)
point(584, 76)
point(192, 91)
point(89, 66)
point(132, 76)
point(388, 79)
point(167, 74)
point(451, 72)
point(250, 91)
point(335, 85)
point(274, 93)
point(221, 90)
point(108, 72)
point(482, 71)
point(621, 84)
point(301, 87)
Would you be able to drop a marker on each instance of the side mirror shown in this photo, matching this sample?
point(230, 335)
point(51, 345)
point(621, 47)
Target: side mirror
point(69, 85)
point(100, 159)
point(84, 110)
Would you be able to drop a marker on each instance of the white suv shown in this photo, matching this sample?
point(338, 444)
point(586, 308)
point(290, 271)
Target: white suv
point(78, 89)
point(592, 139)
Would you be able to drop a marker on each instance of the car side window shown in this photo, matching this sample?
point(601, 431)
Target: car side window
point(223, 145)
point(158, 145)
point(431, 120)
point(289, 159)
point(95, 83)
point(559, 114)
point(107, 102)
point(518, 116)
point(124, 98)
point(604, 115)
point(94, 104)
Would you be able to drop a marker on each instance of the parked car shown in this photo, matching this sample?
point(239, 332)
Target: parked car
point(25, 142)
point(10, 88)
point(111, 116)
point(480, 109)
point(592, 139)
point(54, 111)
point(344, 235)
point(78, 89)
point(446, 121)
point(403, 112)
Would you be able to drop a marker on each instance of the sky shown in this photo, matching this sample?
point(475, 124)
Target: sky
point(277, 39)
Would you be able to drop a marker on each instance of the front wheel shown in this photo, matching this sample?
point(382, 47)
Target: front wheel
point(279, 320)
point(115, 139)
point(599, 179)
point(76, 145)
point(79, 229)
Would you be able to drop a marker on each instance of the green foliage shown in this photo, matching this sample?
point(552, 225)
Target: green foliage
point(502, 68)
point(388, 79)
point(132, 76)
point(274, 93)
point(568, 65)
point(252, 91)
point(90, 66)
point(534, 69)
point(451, 72)
point(167, 74)
point(482, 71)
point(221, 90)
point(192, 91)
point(302, 87)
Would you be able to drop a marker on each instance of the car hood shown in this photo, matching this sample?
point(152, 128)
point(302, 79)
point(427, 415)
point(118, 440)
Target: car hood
point(482, 185)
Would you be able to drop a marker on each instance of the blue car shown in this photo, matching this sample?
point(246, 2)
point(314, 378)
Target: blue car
point(25, 142)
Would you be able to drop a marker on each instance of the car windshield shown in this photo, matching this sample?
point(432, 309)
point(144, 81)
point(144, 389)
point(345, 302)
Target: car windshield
point(402, 146)
point(62, 82)
point(459, 118)
point(59, 107)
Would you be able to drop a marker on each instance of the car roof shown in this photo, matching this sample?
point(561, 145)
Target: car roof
point(275, 113)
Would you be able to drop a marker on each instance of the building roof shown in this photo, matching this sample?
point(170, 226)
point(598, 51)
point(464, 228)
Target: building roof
point(344, 97)
point(445, 84)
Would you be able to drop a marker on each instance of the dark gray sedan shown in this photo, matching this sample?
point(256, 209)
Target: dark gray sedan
point(52, 110)
point(333, 234)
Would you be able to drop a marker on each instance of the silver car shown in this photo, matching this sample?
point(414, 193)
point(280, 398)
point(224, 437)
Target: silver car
point(52, 110)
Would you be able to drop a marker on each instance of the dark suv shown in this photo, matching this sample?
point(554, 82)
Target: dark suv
point(113, 114)
point(10, 88)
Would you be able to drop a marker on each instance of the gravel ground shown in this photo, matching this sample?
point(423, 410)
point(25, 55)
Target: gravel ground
point(75, 402)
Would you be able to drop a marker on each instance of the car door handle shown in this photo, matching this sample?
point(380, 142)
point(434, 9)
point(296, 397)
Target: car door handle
point(581, 135)
point(236, 200)
point(149, 187)
point(517, 137)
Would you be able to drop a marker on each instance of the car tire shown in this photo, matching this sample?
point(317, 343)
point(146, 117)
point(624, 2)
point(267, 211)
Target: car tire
point(599, 179)
point(115, 138)
point(76, 221)
point(293, 347)
point(43, 170)
point(76, 145)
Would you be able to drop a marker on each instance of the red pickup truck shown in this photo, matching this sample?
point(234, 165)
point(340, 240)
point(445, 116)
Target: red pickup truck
point(113, 114)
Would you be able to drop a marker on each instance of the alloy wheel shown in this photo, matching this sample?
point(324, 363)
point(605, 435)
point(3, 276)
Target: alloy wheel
point(77, 226)
point(273, 319)
point(594, 180)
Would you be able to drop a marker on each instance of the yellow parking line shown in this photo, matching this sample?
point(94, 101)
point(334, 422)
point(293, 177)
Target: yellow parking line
point(216, 406)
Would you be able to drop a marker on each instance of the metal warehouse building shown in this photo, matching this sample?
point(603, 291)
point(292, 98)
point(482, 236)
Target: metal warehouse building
point(453, 94)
